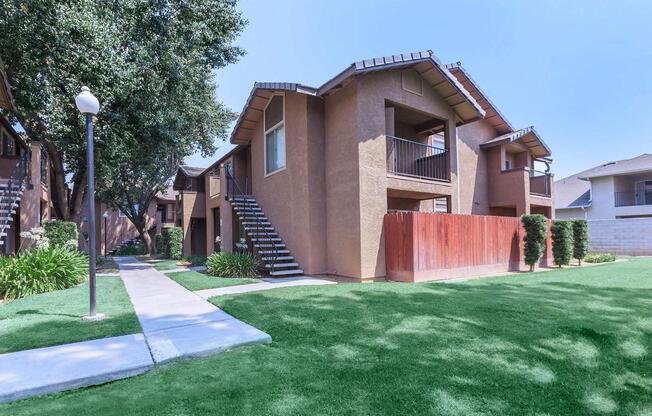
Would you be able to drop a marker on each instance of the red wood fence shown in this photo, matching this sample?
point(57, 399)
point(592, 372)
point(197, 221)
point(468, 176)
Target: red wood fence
point(427, 246)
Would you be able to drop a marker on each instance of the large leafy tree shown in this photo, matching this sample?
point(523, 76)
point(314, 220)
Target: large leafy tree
point(151, 65)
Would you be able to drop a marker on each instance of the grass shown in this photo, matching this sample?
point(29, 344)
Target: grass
point(107, 265)
point(568, 342)
point(55, 318)
point(193, 280)
point(163, 265)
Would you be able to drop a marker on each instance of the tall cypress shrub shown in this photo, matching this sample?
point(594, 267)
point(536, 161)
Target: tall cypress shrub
point(173, 243)
point(580, 239)
point(562, 242)
point(535, 238)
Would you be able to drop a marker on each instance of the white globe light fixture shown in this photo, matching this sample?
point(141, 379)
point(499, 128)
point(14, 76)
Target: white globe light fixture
point(89, 105)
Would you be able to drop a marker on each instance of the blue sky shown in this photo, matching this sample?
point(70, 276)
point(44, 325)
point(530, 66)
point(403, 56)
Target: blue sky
point(578, 71)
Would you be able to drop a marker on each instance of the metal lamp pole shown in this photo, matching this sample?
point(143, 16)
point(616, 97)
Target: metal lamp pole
point(89, 106)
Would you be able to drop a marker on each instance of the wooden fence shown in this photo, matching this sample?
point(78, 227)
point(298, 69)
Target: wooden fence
point(428, 246)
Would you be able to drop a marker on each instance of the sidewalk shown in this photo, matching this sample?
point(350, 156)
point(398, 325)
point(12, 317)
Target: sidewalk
point(177, 322)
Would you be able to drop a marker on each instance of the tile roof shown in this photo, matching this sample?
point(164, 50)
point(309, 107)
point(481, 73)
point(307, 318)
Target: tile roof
point(527, 136)
point(191, 171)
point(168, 194)
point(639, 163)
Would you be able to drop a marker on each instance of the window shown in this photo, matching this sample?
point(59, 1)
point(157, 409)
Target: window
point(8, 144)
point(508, 164)
point(274, 135)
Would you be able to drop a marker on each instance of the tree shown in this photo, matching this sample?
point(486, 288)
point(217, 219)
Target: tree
point(168, 110)
point(580, 239)
point(562, 242)
point(535, 238)
point(151, 65)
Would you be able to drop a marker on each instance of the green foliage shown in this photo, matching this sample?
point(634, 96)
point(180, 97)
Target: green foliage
point(173, 243)
point(580, 239)
point(41, 270)
point(131, 250)
point(232, 265)
point(196, 260)
point(158, 242)
point(535, 237)
point(562, 242)
point(61, 233)
point(600, 257)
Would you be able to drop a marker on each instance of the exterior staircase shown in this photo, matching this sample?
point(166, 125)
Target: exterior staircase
point(128, 242)
point(269, 246)
point(11, 191)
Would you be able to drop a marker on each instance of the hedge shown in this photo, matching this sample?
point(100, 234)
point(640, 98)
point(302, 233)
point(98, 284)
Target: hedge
point(60, 233)
point(535, 238)
point(158, 243)
point(580, 239)
point(173, 243)
point(562, 242)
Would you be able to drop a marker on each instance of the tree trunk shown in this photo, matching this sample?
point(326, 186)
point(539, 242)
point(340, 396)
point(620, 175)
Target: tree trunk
point(139, 223)
point(531, 267)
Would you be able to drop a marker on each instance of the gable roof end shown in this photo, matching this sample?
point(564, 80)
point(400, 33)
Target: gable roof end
point(256, 103)
point(527, 136)
point(430, 69)
point(497, 120)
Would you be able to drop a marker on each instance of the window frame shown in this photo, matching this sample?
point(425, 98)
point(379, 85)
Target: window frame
point(271, 129)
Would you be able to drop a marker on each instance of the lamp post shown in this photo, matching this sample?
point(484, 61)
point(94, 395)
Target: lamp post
point(88, 105)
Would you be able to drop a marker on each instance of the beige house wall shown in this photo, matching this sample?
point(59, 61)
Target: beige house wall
point(474, 176)
point(193, 206)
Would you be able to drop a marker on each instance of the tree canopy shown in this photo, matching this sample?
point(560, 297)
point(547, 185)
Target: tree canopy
point(151, 64)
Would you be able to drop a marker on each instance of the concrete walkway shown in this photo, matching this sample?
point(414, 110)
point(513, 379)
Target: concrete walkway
point(266, 284)
point(64, 367)
point(177, 322)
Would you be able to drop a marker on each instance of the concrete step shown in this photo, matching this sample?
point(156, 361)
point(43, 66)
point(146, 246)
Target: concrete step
point(286, 272)
point(262, 227)
point(278, 245)
point(272, 252)
point(266, 239)
point(282, 265)
point(258, 231)
point(277, 258)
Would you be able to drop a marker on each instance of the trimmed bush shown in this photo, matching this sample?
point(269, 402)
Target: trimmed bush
point(158, 243)
point(600, 257)
point(196, 260)
point(232, 265)
point(41, 270)
point(61, 233)
point(173, 243)
point(580, 239)
point(131, 250)
point(535, 238)
point(562, 242)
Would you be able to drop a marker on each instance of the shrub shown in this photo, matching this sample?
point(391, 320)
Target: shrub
point(232, 265)
point(61, 233)
point(173, 243)
point(41, 270)
point(535, 238)
point(562, 242)
point(580, 239)
point(600, 257)
point(131, 250)
point(158, 243)
point(196, 260)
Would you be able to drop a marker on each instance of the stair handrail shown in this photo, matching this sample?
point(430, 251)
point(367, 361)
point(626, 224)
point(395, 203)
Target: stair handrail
point(233, 191)
point(9, 195)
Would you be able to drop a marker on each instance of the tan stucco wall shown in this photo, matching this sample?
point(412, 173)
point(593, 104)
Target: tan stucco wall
point(193, 206)
point(474, 186)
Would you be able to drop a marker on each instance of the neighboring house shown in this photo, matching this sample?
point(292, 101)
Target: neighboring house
point(316, 169)
point(24, 179)
point(617, 199)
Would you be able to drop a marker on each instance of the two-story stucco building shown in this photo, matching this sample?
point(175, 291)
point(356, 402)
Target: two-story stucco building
point(316, 168)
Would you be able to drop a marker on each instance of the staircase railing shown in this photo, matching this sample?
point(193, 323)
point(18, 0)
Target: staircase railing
point(11, 193)
point(233, 191)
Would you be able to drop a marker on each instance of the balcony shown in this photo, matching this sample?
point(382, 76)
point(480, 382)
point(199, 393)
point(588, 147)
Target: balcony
point(631, 199)
point(417, 160)
point(540, 183)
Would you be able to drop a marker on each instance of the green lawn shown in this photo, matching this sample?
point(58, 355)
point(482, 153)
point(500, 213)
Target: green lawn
point(55, 318)
point(569, 342)
point(162, 265)
point(193, 280)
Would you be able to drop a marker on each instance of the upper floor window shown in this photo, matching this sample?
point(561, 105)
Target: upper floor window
point(8, 145)
point(275, 135)
point(508, 164)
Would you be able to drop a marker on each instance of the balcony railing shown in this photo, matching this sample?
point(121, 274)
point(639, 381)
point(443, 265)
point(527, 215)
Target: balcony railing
point(629, 199)
point(540, 183)
point(418, 160)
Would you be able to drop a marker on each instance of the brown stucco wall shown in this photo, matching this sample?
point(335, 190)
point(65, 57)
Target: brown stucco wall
point(30, 202)
point(193, 206)
point(474, 187)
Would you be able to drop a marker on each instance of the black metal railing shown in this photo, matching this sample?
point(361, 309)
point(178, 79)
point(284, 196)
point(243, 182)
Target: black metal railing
point(632, 198)
point(10, 191)
point(418, 160)
point(540, 183)
point(233, 193)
